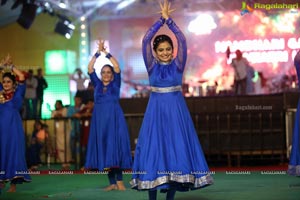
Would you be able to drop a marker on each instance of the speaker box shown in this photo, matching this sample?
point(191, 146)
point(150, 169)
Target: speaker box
point(27, 15)
point(63, 28)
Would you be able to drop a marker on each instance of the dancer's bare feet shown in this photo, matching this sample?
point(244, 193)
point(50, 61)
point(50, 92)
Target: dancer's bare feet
point(65, 166)
point(121, 185)
point(33, 168)
point(13, 188)
point(111, 187)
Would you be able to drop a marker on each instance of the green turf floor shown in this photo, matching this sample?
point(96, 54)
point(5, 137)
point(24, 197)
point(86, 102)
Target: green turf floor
point(229, 185)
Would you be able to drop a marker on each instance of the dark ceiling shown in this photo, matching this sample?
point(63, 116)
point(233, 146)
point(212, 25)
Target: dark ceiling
point(106, 9)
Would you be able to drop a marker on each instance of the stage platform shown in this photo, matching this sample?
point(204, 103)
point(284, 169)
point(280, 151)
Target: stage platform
point(233, 129)
point(270, 182)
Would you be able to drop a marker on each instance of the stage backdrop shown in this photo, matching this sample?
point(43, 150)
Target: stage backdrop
point(269, 39)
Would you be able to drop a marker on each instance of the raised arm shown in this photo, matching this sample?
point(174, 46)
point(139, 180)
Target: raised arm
point(91, 70)
point(117, 71)
point(19, 74)
point(8, 63)
point(181, 41)
point(146, 45)
point(113, 61)
point(92, 63)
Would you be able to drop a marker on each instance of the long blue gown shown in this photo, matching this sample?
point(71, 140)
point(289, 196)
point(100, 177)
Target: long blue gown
point(168, 153)
point(294, 164)
point(108, 143)
point(13, 165)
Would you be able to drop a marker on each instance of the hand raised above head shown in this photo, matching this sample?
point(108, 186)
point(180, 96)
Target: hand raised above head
point(165, 9)
point(101, 45)
point(7, 61)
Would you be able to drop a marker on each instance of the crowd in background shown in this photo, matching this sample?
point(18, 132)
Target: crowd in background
point(71, 121)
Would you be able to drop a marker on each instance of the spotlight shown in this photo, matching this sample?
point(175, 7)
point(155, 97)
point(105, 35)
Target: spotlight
point(27, 15)
point(62, 4)
point(65, 28)
point(47, 8)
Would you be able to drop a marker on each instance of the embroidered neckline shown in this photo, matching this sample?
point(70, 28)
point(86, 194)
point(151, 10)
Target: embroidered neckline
point(104, 90)
point(4, 97)
point(164, 63)
point(105, 87)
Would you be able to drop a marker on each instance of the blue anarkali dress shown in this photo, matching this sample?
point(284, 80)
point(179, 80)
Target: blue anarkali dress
point(108, 143)
point(168, 153)
point(294, 164)
point(13, 165)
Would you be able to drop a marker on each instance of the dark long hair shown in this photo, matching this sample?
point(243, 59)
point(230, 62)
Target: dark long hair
point(110, 67)
point(161, 38)
point(9, 75)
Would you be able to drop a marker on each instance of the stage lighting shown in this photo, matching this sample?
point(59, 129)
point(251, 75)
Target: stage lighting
point(124, 4)
point(62, 5)
point(27, 15)
point(65, 28)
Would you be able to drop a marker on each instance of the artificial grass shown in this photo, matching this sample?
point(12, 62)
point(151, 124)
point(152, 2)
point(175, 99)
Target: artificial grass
point(229, 185)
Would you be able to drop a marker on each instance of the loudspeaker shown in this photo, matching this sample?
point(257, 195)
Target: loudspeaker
point(64, 28)
point(27, 15)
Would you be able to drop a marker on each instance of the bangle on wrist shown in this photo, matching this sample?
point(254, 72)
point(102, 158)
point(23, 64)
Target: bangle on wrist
point(11, 67)
point(162, 20)
point(97, 54)
point(169, 21)
point(108, 56)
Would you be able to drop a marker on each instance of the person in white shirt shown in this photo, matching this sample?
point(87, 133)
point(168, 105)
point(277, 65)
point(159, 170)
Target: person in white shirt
point(240, 66)
point(30, 96)
point(79, 78)
point(62, 134)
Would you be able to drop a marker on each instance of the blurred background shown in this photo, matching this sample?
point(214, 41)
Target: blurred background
point(60, 36)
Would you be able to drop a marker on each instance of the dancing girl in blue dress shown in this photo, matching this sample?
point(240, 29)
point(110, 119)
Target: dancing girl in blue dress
point(108, 144)
point(294, 164)
point(168, 155)
point(13, 165)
